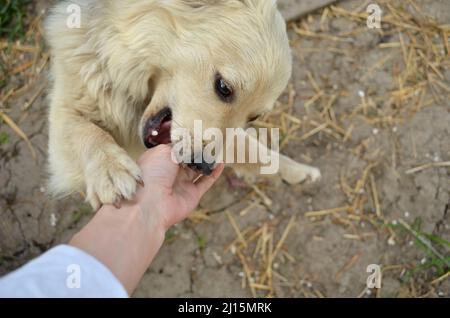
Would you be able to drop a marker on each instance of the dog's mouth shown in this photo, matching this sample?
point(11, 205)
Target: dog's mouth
point(157, 129)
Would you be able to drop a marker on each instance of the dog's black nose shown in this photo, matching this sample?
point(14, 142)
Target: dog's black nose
point(203, 167)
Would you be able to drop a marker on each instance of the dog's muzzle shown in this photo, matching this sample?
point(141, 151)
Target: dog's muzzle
point(157, 131)
point(158, 128)
point(202, 166)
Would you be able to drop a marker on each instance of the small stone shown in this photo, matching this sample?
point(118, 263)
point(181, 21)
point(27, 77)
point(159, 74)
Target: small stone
point(53, 219)
point(218, 258)
point(407, 215)
point(155, 133)
point(361, 94)
point(423, 261)
point(391, 241)
point(375, 131)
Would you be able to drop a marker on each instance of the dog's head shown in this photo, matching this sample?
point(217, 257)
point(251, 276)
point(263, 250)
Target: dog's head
point(226, 65)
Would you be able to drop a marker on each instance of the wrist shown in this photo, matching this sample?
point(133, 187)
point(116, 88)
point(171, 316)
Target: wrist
point(152, 209)
point(139, 226)
point(150, 222)
point(122, 239)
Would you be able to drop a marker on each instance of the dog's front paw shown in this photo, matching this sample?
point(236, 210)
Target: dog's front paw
point(111, 177)
point(294, 173)
point(246, 174)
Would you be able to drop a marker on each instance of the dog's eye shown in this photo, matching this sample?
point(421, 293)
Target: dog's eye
point(254, 118)
point(223, 90)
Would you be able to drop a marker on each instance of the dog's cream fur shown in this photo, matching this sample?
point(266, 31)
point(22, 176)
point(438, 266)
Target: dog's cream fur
point(130, 59)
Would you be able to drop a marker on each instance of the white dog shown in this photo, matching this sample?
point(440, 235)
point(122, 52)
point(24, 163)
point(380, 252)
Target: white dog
point(136, 67)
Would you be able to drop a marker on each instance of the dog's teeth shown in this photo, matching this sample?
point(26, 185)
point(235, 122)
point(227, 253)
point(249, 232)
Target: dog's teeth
point(155, 133)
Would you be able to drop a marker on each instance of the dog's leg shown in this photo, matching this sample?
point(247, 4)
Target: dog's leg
point(289, 170)
point(83, 154)
point(294, 172)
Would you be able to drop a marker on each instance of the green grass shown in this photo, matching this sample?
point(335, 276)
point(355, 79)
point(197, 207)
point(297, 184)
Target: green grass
point(83, 210)
point(12, 18)
point(171, 235)
point(432, 261)
point(3, 78)
point(4, 138)
point(201, 242)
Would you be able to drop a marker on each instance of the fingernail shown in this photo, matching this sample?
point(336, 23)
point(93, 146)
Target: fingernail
point(140, 182)
point(117, 205)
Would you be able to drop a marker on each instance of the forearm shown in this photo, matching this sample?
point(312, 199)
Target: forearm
point(125, 240)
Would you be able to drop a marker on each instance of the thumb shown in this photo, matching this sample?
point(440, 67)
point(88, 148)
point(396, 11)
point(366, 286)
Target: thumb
point(206, 182)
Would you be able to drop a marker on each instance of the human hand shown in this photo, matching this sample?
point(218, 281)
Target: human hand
point(169, 194)
point(126, 239)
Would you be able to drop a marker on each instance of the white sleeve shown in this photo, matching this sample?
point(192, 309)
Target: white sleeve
point(64, 271)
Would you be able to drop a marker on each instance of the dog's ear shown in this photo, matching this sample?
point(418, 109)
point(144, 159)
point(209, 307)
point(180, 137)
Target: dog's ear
point(262, 5)
point(196, 4)
point(259, 2)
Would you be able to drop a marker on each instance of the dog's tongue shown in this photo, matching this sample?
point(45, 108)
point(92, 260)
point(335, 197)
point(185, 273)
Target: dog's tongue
point(161, 135)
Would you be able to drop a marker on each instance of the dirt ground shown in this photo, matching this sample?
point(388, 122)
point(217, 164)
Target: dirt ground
point(369, 107)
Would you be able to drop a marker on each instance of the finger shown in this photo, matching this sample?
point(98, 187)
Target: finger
point(206, 182)
point(186, 175)
point(157, 166)
point(163, 152)
point(190, 174)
